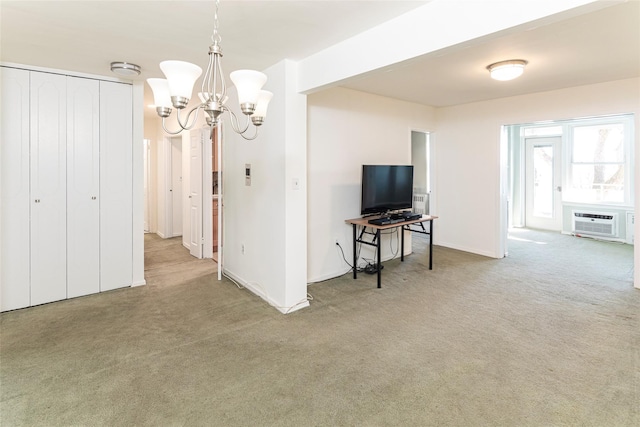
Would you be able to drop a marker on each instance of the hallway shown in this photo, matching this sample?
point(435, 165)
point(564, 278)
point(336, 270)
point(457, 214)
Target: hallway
point(167, 262)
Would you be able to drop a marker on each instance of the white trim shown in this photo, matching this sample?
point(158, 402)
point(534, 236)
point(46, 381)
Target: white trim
point(626, 120)
point(257, 289)
point(64, 72)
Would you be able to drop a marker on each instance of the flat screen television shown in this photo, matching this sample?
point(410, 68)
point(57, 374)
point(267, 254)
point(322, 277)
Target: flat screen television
point(386, 188)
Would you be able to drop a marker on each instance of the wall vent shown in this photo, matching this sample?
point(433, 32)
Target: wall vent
point(421, 204)
point(602, 224)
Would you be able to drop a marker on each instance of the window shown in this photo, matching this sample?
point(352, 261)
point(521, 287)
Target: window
point(599, 161)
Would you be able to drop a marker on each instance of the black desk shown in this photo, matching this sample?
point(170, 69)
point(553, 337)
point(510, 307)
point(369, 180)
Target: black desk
point(405, 225)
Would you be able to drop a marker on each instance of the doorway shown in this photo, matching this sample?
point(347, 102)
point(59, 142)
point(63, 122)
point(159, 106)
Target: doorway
point(543, 183)
point(174, 186)
point(420, 159)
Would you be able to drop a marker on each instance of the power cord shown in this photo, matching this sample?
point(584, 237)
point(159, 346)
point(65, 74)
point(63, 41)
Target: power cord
point(372, 266)
point(359, 269)
point(598, 239)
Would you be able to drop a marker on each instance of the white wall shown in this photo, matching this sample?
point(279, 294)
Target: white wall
point(347, 129)
point(466, 149)
point(151, 133)
point(269, 217)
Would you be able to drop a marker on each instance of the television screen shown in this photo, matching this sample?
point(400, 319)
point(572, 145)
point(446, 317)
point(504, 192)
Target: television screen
point(386, 188)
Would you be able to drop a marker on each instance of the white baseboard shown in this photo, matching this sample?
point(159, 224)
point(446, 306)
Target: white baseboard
point(139, 283)
point(334, 274)
point(259, 291)
point(467, 249)
point(328, 276)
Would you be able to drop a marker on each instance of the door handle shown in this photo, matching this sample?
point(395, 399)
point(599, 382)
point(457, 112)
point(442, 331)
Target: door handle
point(559, 188)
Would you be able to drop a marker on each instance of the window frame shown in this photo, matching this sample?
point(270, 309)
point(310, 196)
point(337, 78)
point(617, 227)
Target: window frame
point(570, 126)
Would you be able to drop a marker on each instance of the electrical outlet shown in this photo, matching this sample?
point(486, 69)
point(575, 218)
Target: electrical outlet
point(337, 241)
point(242, 249)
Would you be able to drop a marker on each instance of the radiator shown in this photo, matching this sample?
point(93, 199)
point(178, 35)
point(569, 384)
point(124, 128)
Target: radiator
point(421, 204)
point(588, 223)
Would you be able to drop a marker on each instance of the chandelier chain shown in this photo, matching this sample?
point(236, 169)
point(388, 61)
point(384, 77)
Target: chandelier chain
point(215, 37)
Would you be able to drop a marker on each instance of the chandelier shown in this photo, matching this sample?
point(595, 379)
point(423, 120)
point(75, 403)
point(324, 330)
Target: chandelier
point(175, 91)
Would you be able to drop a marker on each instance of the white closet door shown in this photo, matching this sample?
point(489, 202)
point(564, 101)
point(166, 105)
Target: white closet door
point(116, 192)
point(14, 264)
point(48, 188)
point(83, 186)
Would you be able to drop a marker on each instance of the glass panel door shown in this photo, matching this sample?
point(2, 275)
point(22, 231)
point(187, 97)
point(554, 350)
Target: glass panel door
point(543, 183)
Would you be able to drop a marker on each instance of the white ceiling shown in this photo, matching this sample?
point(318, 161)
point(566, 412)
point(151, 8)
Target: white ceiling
point(590, 48)
point(85, 36)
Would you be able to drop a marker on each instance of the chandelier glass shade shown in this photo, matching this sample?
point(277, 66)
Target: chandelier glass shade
point(175, 91)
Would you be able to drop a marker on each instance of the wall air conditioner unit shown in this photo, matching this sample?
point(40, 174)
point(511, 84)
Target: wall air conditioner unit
point(600, 224)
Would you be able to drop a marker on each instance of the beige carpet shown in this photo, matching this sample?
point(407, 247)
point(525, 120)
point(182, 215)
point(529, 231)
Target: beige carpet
point(546, 337)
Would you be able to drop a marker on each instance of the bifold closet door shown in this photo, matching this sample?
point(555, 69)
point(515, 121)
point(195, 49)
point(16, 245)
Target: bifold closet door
point(48, 105)
point(14, 261)
point(116, 192)
point(83, 186)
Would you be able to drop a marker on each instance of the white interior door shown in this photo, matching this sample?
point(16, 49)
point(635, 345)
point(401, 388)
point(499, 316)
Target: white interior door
point(218, 135)
point(83, 186)
point(48, 188)
point(16, 202)
point(116, 191)
point(207, 193)
point(195, 195)
point(543, 183)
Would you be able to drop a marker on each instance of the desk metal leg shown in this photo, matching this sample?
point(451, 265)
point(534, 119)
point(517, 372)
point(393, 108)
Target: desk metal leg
point(401, 243)
point(379, 238)
point(431, 245)
point(355, 259)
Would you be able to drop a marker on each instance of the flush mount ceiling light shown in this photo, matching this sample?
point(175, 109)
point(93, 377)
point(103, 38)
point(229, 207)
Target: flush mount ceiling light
point(507, 70)
point(176, 90)
point(125, 69)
